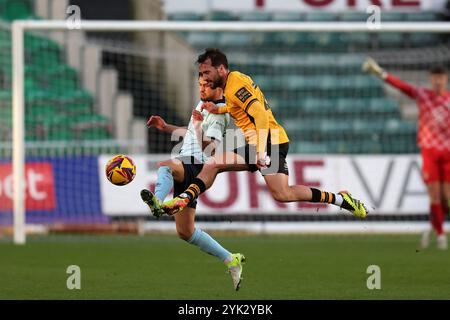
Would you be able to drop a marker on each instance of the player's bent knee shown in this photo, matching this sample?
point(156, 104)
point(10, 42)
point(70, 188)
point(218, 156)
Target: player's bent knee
point(212, 167)
point(446, 192)
point(281, 196)
point(435, 197)
point(184, 234)
point(434, 192)
point(185, 231)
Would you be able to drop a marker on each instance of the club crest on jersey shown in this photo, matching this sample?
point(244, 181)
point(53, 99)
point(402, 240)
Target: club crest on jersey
point(243, 94)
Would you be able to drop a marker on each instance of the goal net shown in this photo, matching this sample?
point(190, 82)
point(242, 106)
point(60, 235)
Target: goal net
point(88, 93)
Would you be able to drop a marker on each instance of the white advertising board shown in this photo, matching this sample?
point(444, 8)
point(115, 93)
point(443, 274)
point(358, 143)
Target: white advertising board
point(388, 184)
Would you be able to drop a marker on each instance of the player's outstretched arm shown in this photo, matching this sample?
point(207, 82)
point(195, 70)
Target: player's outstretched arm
point(160, 124)
point(212, 108)
point(372, 67)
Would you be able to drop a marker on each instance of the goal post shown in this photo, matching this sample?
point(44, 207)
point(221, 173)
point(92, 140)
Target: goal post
point(19, 27)
point(18, 157)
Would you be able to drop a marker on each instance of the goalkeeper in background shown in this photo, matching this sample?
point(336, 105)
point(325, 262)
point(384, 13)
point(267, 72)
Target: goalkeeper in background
point(433, 139)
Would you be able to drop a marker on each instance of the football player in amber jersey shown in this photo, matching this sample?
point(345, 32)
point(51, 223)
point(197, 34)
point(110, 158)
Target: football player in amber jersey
point(267, 143)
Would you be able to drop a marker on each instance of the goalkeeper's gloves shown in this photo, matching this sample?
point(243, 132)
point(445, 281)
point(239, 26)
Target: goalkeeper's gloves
point(371, 66)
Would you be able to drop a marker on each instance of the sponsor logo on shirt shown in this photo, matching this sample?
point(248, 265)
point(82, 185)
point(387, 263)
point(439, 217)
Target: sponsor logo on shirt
point(243, 94)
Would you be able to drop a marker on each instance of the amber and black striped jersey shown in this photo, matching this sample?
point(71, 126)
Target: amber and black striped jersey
point(240, 93)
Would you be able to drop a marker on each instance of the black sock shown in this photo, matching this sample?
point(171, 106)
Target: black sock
point(322, 196)
point(328, 197)
point(196, 188)
point(316, 194)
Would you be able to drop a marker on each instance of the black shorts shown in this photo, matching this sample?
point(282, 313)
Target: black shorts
point(191, 169)
point(276, 152)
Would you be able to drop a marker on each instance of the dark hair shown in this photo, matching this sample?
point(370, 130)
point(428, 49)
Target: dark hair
point(216, 56)
point(438, 69)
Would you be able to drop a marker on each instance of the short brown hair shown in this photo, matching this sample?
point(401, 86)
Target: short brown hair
point(216, 56)
point(438, 69)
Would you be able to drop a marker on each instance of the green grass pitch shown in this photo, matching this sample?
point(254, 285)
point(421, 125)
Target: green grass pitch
point(278, 267)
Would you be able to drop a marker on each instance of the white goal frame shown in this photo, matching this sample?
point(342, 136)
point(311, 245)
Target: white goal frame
point(20, 26)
